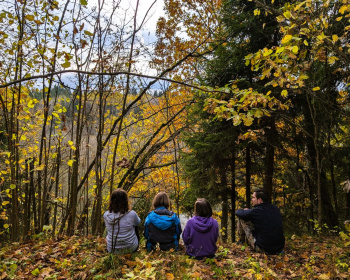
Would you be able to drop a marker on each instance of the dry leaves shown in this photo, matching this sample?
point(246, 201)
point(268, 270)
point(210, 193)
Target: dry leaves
point(83, 258)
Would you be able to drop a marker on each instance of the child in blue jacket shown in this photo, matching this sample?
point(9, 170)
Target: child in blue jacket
point(162, 225)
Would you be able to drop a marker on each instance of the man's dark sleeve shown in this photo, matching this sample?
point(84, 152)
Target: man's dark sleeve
point(244, 214)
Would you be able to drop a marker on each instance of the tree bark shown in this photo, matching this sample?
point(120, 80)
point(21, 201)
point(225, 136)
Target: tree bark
point(270, 156)
point(233, 195)
point(347, 205)
point(247, 177)
point(224, 196)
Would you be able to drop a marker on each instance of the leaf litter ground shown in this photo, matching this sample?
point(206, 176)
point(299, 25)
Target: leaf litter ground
point(78, 257)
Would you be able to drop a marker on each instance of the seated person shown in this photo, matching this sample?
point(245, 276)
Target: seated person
point(162, 225)
point(121, 224)
point(201, 232)
point(261, 226)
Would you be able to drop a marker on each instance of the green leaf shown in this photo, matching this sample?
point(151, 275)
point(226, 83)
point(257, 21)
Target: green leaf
point(88, 33)
point(66, 64)
point(299, 5)
point(12, 186)
point(248, 121)
point(287, 14)
point(83, 2)
point(46, 227)
point(279, 49)
point(36, 272)
point(29, 17)
point(258, 113)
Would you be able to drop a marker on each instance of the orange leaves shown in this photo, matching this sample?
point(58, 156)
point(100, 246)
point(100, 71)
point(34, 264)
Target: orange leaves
point(170, 276)
point(174, 7)
point(306, 258)
point(187, 26)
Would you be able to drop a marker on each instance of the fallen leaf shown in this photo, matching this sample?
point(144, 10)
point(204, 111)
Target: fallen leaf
point(279, 265)
point(170, 276)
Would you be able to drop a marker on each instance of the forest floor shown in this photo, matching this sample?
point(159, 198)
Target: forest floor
point(77, 257)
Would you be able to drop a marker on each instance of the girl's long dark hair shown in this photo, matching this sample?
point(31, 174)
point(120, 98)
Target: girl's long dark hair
point(202, 208)
point(119, 201)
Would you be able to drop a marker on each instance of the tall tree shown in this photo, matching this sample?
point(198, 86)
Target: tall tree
point(64, 147)
point(309, 67)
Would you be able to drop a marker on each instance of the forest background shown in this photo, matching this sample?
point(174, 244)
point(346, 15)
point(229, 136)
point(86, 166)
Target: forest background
point(231, 95)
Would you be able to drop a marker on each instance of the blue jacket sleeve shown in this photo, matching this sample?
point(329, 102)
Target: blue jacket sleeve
point(244, 214)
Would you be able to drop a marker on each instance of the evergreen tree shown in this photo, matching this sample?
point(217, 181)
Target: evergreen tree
point(315, 115)
point(207, 166)
point(213, 146)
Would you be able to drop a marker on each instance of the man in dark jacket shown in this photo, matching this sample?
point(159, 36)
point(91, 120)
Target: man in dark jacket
point(261, 226)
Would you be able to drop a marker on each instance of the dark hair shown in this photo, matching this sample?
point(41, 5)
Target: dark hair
point(119, 201)
point(262, 193)
point(161, 199)
point(202, 208)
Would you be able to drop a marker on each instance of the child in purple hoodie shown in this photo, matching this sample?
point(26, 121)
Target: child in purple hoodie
point(201, 232)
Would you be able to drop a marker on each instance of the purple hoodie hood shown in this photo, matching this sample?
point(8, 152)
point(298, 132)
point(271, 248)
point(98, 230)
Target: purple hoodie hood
point(202, 224)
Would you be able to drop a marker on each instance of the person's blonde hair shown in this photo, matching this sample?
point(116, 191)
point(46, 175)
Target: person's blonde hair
point(161, 199)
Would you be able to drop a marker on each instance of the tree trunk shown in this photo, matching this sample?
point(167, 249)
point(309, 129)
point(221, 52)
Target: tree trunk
point(27, 200)
point(58, 163)
point(270, 156)
point(312, 110)
point(347, 205)
point(330, 216)
point(72, 210)
point(334, 186)
point(224, 215)
point(247, 177)
point(127, 90)
point(233, 195)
